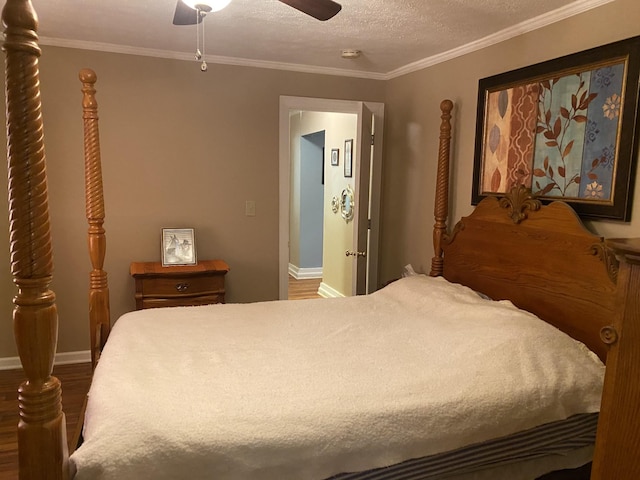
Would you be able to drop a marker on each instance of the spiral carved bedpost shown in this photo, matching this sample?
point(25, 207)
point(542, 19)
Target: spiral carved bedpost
point(441, 209)
point(42, 441)
point(99, 317)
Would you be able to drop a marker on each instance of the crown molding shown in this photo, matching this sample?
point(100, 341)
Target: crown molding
point(219, 59)
point(549, 18)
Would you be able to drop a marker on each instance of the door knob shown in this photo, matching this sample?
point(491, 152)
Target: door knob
point(355, 254)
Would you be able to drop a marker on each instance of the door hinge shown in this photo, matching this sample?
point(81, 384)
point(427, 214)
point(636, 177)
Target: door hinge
point(372, 138)
point(369, 223)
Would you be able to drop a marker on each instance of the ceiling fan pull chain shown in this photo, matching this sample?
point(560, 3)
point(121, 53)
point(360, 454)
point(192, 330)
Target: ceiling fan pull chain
point(203, 65)
point(198, 52)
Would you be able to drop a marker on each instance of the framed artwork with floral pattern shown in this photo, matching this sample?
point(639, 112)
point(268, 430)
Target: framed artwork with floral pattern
point(566, 128)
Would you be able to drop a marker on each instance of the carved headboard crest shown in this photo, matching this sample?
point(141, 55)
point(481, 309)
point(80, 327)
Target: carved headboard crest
point(519, 201)
point(608, 257)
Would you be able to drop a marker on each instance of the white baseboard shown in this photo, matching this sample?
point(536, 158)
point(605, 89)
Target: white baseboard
point(326, 291)
point(299, 273)
point(64, 358)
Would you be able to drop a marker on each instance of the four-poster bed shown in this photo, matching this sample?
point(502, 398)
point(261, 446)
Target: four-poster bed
point(539, 257)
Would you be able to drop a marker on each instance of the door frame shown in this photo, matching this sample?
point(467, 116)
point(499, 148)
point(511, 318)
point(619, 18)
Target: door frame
point(288, 103)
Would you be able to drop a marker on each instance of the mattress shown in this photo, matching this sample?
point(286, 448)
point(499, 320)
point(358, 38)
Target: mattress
point(314, 388)
point(564, 442)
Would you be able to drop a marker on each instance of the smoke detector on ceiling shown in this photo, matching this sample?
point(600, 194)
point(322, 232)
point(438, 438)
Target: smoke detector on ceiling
point(350, 53)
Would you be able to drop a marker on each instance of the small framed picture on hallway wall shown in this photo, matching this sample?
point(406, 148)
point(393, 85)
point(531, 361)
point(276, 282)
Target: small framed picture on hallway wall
point(335, 155)
point(348, 157)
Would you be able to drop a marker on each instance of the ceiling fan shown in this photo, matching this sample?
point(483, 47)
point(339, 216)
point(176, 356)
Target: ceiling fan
point(188, 12)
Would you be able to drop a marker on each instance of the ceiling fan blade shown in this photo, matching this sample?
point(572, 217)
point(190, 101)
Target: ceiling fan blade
point(185, 15)
point(320, 9)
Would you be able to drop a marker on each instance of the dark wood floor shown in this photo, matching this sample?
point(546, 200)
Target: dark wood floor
point(75, 384)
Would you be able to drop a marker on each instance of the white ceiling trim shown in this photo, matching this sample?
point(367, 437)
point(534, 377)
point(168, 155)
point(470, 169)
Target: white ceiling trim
point(113, 48)
point(570, 10)
point(150, 52)
point(506, 34)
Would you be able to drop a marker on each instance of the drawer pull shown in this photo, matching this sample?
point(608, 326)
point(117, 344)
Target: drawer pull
point(182, 287)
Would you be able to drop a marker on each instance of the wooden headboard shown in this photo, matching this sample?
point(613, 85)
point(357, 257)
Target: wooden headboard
point(539, 257)
point(544, 260)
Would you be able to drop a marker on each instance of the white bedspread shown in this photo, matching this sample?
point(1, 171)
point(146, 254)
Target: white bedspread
point(310, 388)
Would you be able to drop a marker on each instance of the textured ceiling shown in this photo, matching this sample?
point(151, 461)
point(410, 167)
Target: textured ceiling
point(394, 36)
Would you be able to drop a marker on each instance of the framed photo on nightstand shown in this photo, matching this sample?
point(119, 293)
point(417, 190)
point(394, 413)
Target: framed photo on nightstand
point(178, 246)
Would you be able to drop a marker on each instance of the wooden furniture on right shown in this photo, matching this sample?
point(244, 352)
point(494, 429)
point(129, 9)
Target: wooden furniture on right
point(180, 285)
point(609, 286)
point(618, 441)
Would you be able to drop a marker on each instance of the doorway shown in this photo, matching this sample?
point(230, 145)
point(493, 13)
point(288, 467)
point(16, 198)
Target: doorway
point(307, 212)
point(291, 110)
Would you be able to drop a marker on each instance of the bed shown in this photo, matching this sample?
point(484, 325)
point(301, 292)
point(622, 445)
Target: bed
point(353, 407)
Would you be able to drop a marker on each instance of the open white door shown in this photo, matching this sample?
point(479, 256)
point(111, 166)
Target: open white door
point(367, 169)
point(359, 254)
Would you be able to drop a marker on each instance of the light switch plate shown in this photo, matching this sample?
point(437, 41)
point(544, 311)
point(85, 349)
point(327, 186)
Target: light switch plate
point(250, 208)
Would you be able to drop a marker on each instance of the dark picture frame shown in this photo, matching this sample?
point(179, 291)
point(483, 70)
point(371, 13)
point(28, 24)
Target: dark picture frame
point(565, 128)
point(348, 158)
point(335, 157)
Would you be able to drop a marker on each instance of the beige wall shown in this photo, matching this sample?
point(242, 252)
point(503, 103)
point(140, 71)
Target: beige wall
point(413, 120)
point(183, 148)
point(179, 148)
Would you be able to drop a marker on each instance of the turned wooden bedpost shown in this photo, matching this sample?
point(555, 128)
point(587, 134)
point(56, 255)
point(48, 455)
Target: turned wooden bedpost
point(42, 441)
point(99, 317)
point(619, 421)
point(441, 208)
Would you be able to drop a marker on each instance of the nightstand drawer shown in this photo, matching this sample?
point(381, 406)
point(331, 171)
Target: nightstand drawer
point(182, 301)
point(178, 286)
point(162, 287)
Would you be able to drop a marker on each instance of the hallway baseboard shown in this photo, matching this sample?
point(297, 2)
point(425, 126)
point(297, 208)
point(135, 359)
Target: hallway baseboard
point(299, 273)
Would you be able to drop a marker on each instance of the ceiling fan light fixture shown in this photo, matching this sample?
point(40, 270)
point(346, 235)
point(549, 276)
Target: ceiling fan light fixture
point(207, 5)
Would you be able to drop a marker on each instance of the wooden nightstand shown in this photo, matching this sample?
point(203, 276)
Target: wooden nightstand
point(184, 285)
